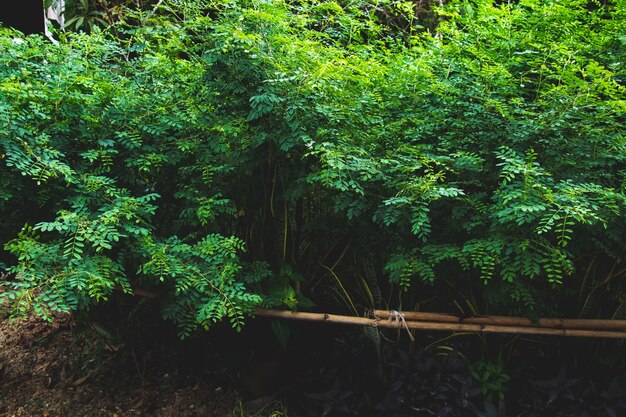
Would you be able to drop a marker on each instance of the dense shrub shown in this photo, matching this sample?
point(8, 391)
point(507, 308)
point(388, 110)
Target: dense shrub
point(233, 154)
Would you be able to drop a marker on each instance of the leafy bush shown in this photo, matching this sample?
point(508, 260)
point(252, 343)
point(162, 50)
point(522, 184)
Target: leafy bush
point(442, 381)
point(564, 396)
point(491, 377)
point(237, 154)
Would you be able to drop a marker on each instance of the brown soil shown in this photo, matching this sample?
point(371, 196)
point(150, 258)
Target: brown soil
point(51, 369)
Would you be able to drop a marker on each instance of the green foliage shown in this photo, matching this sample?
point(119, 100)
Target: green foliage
point(273, 409)
point(244, 153)
point(204, 280)
point(82, 15)
point(491, 377)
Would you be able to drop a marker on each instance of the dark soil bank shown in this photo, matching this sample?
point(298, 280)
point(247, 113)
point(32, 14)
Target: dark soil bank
point(60, 370)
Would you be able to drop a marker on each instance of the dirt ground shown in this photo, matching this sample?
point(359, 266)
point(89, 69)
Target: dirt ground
point(51, 369)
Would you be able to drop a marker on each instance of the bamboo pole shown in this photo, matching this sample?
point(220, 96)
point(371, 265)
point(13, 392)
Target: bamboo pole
point(554, 323)
point(450, 322)
point(428, 325)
